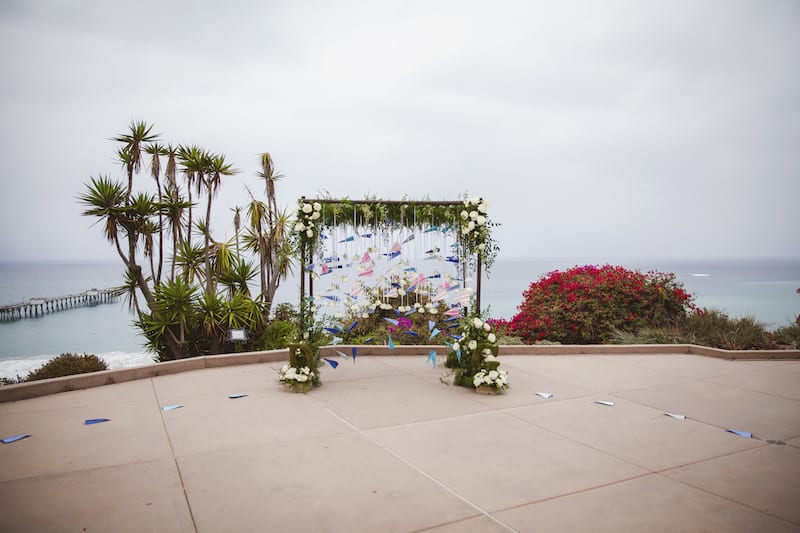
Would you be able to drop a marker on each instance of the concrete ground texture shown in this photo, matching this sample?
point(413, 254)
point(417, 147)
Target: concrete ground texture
point(384, 445)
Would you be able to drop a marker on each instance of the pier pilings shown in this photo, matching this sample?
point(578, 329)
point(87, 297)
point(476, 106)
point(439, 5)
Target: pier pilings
point(37, 307)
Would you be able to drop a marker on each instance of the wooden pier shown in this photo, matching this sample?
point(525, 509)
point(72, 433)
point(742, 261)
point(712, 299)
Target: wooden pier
point(36, 307)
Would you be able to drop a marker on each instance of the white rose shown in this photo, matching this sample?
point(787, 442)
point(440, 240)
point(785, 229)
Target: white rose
point(493, 374)
point(483, 207)
point(401, 292)
point(315, 215)
point(302, 378)
point(472, 345)
point(299, 227)
point(481, 247)
point(456, 347)
point(470, 226)
point(464, 215)
point(492, 338)
point(487, 327)
point(474, 200)
point(432, 311)
point(317, 207)
point(307, 208)
point(309, 233)
point(481, 220)
point(477, 380)
point(473, 215)
point(477, 322)
point(465, 230)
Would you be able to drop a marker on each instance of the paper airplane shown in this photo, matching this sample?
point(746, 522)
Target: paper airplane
point(172, 407)
point(91, 421)
point(15, 438)
point(605, 402)
point(545, 395)
point(741, 433)
point(673, 415)
point(431, 358)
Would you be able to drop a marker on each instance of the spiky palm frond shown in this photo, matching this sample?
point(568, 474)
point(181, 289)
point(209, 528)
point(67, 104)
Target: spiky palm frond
point(105, 199)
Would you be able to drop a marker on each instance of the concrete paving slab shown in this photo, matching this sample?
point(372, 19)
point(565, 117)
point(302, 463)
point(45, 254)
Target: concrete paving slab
point(331, 483)
point(478, 524)
point(497, 461)
point(145, 496)
point(725, 406)
point(216, 382)
point(635, 433)
point(596, 373)
point(765, 478)
point(132, 391)
point(393, 400)
point(444, 458)
point(688, 366)
point(60, 442)
point(775, 378)
point(524, 384)
point(651, 503)
point(210, 423)
point(364, 367)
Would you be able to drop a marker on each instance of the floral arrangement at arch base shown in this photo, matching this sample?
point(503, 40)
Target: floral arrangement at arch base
point(473, 358)
point(301, 374)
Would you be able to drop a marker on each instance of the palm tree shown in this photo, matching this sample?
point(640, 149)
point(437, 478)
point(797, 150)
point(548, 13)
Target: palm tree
point(155, 151)
point(139, 132)
point(216, 168)
point(237, 224)
point(193, 161)
point(108, 201)
point(173, 208)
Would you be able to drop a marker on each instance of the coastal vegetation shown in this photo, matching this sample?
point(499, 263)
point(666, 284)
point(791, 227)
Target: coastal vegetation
point(66, 364)
point(187, 288)
point(613, 305)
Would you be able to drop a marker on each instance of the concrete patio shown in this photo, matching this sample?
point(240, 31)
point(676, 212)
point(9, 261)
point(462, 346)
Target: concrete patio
point(385, 446)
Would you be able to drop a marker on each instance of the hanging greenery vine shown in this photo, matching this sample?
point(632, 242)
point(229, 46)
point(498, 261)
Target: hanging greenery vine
point(469, 218)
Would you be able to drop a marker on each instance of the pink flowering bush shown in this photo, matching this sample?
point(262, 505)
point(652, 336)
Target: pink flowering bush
point(587, 304)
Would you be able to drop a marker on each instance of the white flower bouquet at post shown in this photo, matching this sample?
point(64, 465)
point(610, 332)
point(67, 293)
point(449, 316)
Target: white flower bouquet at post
point(307, 221)
point(301, 374)
point(474, 357)
point(493, 379)
point(297, 378)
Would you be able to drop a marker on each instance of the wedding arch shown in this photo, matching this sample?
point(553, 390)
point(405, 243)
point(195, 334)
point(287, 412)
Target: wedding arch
point(393, 249)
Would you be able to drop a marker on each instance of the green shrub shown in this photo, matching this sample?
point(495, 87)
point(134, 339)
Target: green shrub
point(278, 334)
point(587, 304)
point(67, 364)
point(668, 335)
point(712, 327)
point(787, 336)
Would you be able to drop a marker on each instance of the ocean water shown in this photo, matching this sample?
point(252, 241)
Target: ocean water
point(763, 288)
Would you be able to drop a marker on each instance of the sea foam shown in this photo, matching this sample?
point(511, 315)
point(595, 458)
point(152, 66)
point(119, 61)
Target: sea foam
point(21, 366)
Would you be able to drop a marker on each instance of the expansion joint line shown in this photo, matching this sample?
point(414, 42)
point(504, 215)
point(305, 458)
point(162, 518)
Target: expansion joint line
point(174, 458)
point(418, 469)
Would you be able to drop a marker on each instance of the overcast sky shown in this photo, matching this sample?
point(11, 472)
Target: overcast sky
point(596, 129)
